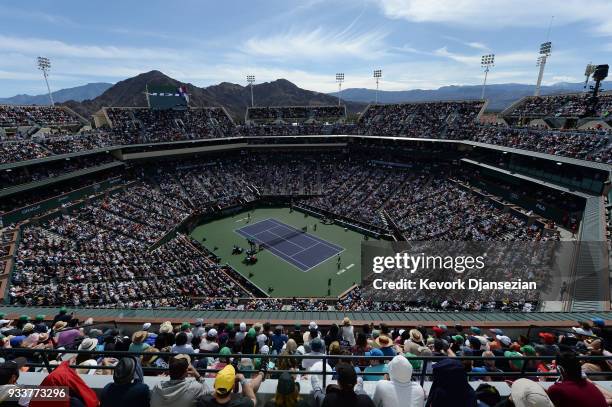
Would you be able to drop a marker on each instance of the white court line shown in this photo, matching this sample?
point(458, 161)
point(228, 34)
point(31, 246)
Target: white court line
point(279, 236)
point(341, 271)
point(240, 220)
point(311, 237)
point(350, 266)
point(307, 248)
point(278, 253)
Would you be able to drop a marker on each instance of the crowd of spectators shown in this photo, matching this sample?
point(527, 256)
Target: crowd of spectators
point(306, 129)
point(78, 260)
point(370, 365)
point(419, 120)
point(432, 120)
point(97, 255)
point(21, 150)
point(585, 145)
point(148, 125)
point(296, 114)
point(44, 116)
point(23, 175)
point(570, 105)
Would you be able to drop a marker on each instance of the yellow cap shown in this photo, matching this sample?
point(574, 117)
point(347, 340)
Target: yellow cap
point(224, 383)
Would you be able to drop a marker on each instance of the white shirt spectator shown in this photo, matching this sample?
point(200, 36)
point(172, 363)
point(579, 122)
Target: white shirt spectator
point(400, 391)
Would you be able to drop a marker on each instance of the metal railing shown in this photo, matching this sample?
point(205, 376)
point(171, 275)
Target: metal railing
point(42, 359)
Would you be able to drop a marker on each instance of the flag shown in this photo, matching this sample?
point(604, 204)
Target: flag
point(183, 92)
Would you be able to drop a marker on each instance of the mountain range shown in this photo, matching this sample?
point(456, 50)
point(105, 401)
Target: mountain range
point(89, 98)
point(500, 95)
point(78, 93)
point(235, 98)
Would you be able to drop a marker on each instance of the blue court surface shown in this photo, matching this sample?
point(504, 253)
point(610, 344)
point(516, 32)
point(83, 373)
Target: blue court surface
point(299, 248)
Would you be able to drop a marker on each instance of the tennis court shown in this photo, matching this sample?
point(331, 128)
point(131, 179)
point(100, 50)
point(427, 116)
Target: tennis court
point(272, 271)
point(296, 247)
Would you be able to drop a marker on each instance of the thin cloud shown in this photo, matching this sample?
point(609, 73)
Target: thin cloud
point(317, 43)
point(491, 14)
point(38, 46)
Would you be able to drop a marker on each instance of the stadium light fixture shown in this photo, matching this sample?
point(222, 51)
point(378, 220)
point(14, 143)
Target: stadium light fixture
point(339, 79)
point(44, 64)
point(377, 76)
point(545, 50)
point(588, 71)
point(251, 81)
point(486, 62)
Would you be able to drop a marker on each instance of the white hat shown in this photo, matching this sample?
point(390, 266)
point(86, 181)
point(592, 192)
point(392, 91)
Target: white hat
point(146, 326)
point(4, 321)
point(242, 327)
point(264, 350)
point(166, 327)
point(504, 339)
point(212, 333)
point(313, 325)
point(579, 331)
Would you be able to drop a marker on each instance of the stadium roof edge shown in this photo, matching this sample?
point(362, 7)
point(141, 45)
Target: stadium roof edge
point(566, 160)
point(527, 178)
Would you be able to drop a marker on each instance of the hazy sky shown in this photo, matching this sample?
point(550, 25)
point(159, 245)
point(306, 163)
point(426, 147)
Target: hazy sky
point(417, 43)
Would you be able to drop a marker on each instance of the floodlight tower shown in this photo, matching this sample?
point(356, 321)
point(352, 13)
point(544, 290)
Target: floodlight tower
point(589, 70)
point(44, 64)
point(487, 62)
point(545, 49)
point(377, 76)
point(339, 79)
point(251, 81)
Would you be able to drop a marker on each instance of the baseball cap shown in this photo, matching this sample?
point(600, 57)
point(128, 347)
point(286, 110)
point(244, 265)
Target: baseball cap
point(504, 339)
point(146, 326)
point(212, 333)
point(437, 330)
point(225, 351)
point(416, 363)
point(458, 339)
point(547, 337)
point(374, 352)
point(475, 330)
point(515, 362)
point(528, 350)
point(224, 382)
